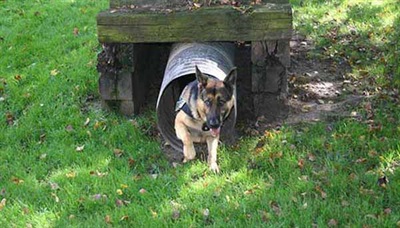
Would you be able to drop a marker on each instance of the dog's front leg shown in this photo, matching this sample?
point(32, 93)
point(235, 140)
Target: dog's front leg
point(212, 144)
point(183, 134)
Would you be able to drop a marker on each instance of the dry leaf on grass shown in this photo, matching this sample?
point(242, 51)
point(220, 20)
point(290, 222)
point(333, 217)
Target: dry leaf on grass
point(80, 148)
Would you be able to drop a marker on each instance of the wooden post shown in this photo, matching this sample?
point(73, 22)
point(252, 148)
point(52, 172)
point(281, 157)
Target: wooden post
point(116, 66)
point(269, 80)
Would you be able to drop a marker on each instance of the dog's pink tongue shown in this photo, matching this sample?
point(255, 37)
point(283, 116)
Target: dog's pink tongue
point(215, 131)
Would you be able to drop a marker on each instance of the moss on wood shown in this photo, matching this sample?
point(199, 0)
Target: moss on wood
point(223, 23)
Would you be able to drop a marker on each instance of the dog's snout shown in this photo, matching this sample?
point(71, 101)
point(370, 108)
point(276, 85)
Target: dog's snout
point(214, 123)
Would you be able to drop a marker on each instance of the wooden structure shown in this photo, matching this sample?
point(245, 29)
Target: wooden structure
point(132, 32)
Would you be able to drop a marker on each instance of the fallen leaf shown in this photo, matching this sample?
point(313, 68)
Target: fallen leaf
point(69, 128)
point(372, 216)
point(107, 219)
point(42, 137)
point(323, 194)
point(332, 223)
point(304, 178)
point(9, 118)
point(142, 191)
point(276, 155)
point(26, 210)
point(71, 174)
point(131, 162)
point(54, 72)
point(80, 148)
point(311, 157)
point(98, 124)
point(55, 197)
point(372, 153)
point(197, 5)
point(96, 196)
point(54, 186)
point(275, 207)
point(300, 163)
point(98, 174)
point(361, 160)
point(352, 176)
point(383, 181)
point(265, 216)
point(175, 214)
point(119, 192)
point(135, 123)
point(206, 212)
point(16, 180)
point(3, 203)
point(86, 122)
point(121, 203)
point(366, 191)
point(345, 203)
point(260, 144)
point(125, 217)
point(118, 152)
point(153, 213)
point(42, 156)
point(76, 31)
point(387, 211)
point(124, 186)
point(136, 177)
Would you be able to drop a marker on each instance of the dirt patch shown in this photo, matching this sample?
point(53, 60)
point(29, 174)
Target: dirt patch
point(317, 90)
point(317, 87)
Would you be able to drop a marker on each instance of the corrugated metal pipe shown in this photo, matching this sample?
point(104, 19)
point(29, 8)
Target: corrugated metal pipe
point(215, 59)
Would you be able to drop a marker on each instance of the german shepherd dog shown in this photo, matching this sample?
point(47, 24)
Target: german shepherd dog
point(203, 107)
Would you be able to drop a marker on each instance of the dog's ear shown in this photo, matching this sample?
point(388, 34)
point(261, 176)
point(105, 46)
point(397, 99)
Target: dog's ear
point(201, 78)
point(230, 79)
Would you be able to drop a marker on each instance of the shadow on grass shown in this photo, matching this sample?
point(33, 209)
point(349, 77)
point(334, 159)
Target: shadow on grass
point(363, 34)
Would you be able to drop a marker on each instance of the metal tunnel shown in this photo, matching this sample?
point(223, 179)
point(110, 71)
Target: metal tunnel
point(215, 59)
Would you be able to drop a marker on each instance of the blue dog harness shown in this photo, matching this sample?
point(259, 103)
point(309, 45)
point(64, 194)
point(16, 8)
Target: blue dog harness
point(182, 105)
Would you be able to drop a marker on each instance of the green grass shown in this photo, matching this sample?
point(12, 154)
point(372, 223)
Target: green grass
point(298, 176)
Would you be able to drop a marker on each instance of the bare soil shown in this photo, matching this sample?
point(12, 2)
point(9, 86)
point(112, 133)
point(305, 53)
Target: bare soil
point(317, 88)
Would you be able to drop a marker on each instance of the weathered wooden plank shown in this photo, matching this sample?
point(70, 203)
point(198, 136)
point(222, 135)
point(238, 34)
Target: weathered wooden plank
point(166, 3)
point(207, 24)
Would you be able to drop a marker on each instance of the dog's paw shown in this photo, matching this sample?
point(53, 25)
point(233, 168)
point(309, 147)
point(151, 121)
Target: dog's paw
point(188, 154)
point(188, 158)
point(214, 167)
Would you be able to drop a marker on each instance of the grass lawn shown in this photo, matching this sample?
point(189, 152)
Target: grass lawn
point(64, 162)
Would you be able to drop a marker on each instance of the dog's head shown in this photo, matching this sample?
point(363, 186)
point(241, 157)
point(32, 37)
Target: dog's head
point(216, 99)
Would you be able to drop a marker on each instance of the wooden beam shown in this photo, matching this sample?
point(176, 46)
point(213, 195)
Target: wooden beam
point(225, 23)
point(166, 3)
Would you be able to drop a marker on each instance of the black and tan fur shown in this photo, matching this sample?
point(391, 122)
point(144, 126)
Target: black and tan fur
point(208, 102)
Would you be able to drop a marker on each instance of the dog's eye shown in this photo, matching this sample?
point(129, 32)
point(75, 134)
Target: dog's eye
point(207, 102)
